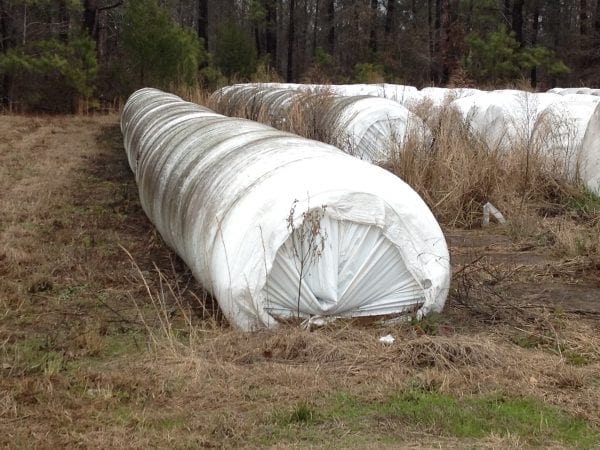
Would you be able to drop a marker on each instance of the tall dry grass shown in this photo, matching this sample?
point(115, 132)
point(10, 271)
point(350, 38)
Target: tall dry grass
point(460, 172)
point(194, 94)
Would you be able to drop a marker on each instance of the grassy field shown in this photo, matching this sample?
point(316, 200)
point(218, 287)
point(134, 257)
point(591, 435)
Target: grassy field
point(107, 341)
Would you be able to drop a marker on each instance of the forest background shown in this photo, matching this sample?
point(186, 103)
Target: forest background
point(70, 55)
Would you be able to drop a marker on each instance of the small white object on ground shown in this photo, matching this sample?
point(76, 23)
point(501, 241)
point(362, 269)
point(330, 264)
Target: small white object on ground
point(387, 339)
point(488, 209)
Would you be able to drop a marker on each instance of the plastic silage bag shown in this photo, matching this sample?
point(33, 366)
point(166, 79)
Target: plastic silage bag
point(589, 158)
point(396, 92)
point(504, 118)
point(565, 138)
point(370, 128)
point(438, 96)
point(554, 125)
point(373, 128)
point(279, 227)
point(571, 91)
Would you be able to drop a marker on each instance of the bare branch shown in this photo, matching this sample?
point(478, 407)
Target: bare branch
point(104, 8)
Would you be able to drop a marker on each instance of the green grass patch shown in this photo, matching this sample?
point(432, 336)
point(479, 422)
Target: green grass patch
point(165, 423)
point(471, 418)
point(301, 413)
point(70, 292)
point(34, 355)
point(117, 345)
point(579, 359)
point(587, 202)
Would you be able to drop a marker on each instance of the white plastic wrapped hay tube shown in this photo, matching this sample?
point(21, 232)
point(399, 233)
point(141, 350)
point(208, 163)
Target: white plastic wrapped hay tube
point(277, 226)
point(589, 162)
point(370, 128)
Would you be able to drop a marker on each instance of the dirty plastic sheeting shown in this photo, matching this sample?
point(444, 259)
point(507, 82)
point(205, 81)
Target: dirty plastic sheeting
point(502, 118)
point(276, 226)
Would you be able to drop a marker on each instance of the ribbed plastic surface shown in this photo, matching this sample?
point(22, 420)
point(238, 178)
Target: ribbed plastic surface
point(367, 127)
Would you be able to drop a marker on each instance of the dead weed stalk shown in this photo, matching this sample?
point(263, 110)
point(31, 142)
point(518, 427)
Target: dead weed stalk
point(175, 317)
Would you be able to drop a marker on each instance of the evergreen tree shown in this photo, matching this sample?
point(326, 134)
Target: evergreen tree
point(236, 54)
point(159, 51)
point(499, 57)
point(51, 74)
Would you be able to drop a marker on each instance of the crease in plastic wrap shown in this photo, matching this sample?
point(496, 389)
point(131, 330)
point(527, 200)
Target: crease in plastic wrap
point(276, 226)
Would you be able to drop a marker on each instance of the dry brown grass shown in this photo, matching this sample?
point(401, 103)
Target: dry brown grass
point(101, 349)
point(194, 94)
point(460, 173)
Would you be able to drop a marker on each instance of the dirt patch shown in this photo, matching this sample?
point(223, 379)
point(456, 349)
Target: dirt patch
point(528, 274)
point(495, 246)
point(581, 298)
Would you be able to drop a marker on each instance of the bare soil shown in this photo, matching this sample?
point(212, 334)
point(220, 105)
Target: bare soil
point(97, 351)
point(572, 284)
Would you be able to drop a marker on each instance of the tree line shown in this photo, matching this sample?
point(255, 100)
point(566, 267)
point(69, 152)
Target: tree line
point(56, 54)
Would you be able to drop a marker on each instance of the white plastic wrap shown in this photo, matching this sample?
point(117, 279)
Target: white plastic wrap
point(551, 123)
point(397, 92)
point(276, 226)
point(503, 118)
point(579, 90)
point(369, 128)
point(572, 119)
point(589, 160)
point(438, 96)
point(583, 98)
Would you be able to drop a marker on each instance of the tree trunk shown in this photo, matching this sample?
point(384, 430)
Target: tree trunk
point(517, 20)
point(469, 20)
point(374, 26)
point(597, 19)
point(5, 43)
point(63, 21)
point(5, 40)
point(257, 40)
point(271, 30)
point(315, 28)
point(203, 21)
point(583, 18)
point(506, 13)
point(436, 41)
point(91, 22)
point(90, 14)
point(389, 17)
point(330, 26)
point(444, 45)
point(534, 38)
point(597, 25)
point(291, 38)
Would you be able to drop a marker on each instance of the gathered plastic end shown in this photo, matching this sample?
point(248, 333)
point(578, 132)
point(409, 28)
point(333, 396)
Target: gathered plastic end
point(341, 269)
